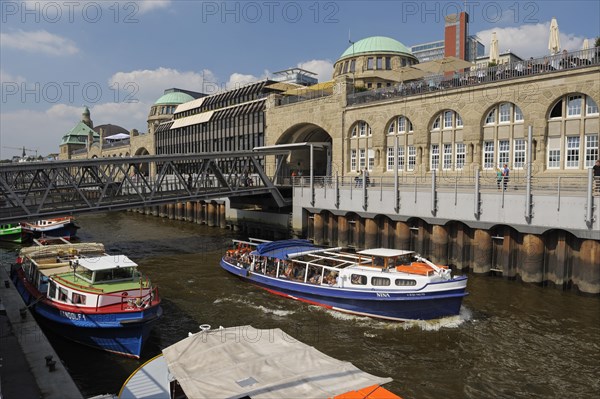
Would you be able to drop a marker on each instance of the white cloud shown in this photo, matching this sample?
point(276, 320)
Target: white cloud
point(148, 85)
point(323, 68)
point(528, 40)
point(43, 130)
point(6, 77)
point(239, 79)
point(150, 5)
point(38, 41)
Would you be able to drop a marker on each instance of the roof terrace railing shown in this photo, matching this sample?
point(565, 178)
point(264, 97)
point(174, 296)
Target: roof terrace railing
point(481, 75)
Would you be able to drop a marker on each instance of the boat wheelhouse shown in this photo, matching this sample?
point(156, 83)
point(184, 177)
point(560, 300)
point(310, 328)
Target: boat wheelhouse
point(88, 296)
point(11, 232)
point(382, 283)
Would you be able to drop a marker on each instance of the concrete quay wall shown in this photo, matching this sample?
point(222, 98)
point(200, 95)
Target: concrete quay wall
point(447, 230)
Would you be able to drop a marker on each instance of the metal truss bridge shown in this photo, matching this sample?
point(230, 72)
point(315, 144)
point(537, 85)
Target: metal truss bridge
point(41, 189)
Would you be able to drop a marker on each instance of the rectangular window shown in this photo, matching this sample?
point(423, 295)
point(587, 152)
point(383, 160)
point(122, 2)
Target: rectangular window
point(363, 129)
point(572, 152)
point(370, 63)
point(379, 63)
point(574, 106)
point(591, 150)
point(352, 159)
point(371, 159)
point(352, 66)
point(460, 155)
point(345, 67)
point(63, 294)
point(447, 157)
point(554, 159)
point(447, 119)
point(504, 113)
point(519, 154)
point(52, 290)
point(503, 152)
point(401, 124)
point(400, 158)
point(488, 155)
point(412, 158)
point(390, 158)
point(435, 157)
point(362, 158)
point(388, 63)
point(78, 299)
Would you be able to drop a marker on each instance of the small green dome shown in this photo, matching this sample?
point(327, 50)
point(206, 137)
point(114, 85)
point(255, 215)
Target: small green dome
point(375, 44)
point(175, 97)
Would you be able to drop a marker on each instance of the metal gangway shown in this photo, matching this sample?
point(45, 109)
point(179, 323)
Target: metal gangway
point(40, 189)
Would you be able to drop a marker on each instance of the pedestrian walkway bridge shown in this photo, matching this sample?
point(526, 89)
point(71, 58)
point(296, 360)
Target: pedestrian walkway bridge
point(41, 189)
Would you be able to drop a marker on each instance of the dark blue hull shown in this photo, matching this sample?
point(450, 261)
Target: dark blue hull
point(122, 333)
point(67, 231)
point(415, 305)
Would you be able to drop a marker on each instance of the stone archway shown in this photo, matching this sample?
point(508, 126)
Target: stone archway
point(299, 159)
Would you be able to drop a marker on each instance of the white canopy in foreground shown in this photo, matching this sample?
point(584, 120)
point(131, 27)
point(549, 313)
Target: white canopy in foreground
point(244, 361)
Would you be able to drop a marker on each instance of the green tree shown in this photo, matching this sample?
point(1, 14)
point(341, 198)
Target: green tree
point(597, 44)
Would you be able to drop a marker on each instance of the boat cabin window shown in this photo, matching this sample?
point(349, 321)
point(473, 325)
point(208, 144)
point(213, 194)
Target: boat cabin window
point(62, 295)
point(52, 290)
point(331, 277)
point(401, 282)
point(78, 299)
point(358, 279)
point(85, 274)
point(380, 281)
point(116, 274)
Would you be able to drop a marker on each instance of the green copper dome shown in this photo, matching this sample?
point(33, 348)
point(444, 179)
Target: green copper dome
point(175, 97)
point(375, 44)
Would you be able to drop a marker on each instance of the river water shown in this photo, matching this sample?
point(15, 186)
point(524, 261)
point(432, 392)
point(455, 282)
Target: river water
point(511, 340)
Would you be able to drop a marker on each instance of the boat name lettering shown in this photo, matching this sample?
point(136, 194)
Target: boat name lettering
point(72, 316)
point(417, 294)
point(383, 295)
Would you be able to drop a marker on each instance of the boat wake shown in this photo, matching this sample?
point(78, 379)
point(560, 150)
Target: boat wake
point(464, 316)
point(261, 308)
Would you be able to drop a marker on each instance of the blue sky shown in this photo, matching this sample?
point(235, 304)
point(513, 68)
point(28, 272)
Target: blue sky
point(117, 57)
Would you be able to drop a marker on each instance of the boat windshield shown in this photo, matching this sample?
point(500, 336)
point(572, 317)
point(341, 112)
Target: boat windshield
point(115, 274)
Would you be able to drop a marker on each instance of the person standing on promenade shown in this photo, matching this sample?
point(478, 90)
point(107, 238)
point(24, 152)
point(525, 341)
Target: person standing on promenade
point(505, 173)
point(596, 169)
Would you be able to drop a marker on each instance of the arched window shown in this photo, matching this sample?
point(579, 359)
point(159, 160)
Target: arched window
point(572, 141)
point(362, 154)
point(447, 150)
point(504, 137)
point(401, 128)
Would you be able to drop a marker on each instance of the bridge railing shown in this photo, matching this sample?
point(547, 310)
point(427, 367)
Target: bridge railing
point(576, 185)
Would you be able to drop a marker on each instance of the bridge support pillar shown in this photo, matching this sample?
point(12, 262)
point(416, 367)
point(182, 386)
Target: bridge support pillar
point(189, 211)
point(586, 271)
point(222, 220)
point(459, 246)
point(402, 236)
point(482, 251)
point(171, 211)
point(439, 244)
point(318, 229)
point(558, 251)
point(180, 211)
point(370, 233)
point(162, 211)
point(210, 219)
point(342, 236)
point(532, 253)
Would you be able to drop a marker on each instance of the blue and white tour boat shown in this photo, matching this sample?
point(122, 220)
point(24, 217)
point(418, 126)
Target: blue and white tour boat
point(381, 283)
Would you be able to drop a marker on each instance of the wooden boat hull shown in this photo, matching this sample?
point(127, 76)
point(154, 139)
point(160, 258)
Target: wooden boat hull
point(436, 300)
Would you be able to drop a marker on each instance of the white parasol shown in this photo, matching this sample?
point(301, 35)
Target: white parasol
point(554, 42)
